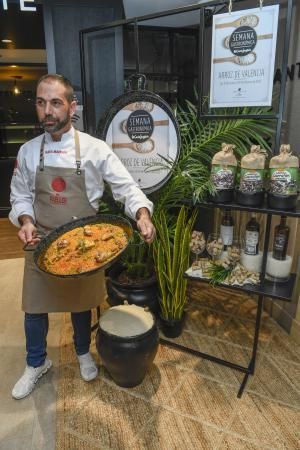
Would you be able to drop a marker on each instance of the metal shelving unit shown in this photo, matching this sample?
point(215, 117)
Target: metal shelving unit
point(281, 291)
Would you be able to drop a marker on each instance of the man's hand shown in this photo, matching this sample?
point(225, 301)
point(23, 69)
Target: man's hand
point(28, 232)
point(145, 225)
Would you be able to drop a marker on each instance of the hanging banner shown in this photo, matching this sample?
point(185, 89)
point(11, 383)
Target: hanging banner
point(243, 57)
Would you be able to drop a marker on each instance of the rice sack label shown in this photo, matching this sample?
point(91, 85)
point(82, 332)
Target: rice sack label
point(252, 170)
point(284, 181)
point(252, 180)
point(223, 176)
point(284, 172)
point(223, 168)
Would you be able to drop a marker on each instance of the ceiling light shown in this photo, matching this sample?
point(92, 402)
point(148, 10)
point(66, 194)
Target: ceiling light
point(6, 41)
point(13, 65)
point(16, 90)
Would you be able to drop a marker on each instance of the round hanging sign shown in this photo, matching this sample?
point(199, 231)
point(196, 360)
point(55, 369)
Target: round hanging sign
point(142, 130)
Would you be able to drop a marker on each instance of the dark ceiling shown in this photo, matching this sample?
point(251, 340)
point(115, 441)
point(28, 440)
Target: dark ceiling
point(24, 28)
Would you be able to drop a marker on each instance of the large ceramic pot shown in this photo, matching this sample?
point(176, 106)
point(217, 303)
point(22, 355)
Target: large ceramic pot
point(142, 293)
point(127, 342)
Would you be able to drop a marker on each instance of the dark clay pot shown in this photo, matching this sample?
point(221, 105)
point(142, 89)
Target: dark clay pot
point(222, 196)
point(172, 327)
point(250, 199)
point(128, 358)
point(143, 293)
point(285, 202)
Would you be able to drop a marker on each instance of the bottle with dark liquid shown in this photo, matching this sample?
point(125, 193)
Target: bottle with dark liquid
point(252, 237)
point(281, 238)
point(227, 225)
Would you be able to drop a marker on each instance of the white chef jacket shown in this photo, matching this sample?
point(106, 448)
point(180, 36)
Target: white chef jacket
point(98, 161)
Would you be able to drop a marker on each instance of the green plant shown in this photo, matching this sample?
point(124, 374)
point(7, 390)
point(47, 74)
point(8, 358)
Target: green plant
point(218, 274)
point(137, 258)
point(171, 256)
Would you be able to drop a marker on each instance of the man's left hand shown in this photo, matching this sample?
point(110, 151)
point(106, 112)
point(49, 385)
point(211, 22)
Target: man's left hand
point(145, 225)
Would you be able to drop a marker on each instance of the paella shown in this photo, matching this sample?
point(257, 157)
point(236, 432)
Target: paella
point(84, 249)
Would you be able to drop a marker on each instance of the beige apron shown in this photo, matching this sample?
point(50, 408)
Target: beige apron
point(60, 195)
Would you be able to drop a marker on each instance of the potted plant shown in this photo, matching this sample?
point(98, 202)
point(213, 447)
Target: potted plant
point(171, 257)
point(133, 278)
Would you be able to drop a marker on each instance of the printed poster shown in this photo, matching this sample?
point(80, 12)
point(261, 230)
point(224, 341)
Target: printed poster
point(141, 134)
point(243, 57)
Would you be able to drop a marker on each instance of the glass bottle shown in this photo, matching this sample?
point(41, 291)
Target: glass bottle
point(252, 237)
point(227, 225)
point(281, 238)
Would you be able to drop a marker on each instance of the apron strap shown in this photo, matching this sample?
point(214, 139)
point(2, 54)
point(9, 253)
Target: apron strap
point(42, 154)
point(77, 153)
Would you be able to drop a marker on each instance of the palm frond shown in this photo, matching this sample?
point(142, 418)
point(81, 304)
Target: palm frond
point(190, 177)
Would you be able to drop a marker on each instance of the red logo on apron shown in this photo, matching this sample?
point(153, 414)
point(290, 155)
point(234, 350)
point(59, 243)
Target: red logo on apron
point(58, 184)
point(58, 199)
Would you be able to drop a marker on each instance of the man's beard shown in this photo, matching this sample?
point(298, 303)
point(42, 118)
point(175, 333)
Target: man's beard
point(58, 124)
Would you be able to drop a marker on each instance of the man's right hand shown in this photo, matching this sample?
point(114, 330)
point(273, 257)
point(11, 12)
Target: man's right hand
point(28, 232)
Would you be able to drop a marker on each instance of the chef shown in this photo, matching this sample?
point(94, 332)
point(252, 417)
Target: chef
point(59, 175)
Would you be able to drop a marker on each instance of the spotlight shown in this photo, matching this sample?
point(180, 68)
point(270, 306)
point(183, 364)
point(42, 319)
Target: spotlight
point(16, 90)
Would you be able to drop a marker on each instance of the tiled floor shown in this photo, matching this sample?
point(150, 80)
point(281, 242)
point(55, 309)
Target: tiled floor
point(184, 402)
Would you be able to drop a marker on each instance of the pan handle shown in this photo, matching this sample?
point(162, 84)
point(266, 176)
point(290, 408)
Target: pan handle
point(31, 248)
point(41, 235)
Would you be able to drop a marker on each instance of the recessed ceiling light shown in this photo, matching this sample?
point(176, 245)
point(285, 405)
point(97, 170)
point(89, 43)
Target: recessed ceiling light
point(6, 41)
